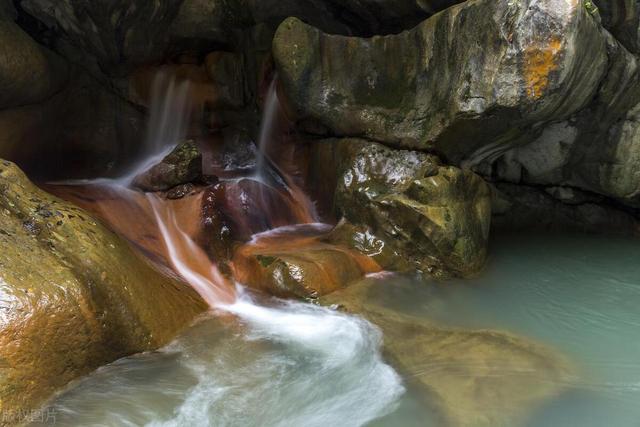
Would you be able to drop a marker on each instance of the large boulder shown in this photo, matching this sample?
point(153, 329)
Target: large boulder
point(29, 72)
point(471, 77)
point(434, 216)
point(74, 295)
point(595, 150)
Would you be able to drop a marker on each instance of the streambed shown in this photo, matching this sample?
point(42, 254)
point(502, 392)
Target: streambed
point(296, 364)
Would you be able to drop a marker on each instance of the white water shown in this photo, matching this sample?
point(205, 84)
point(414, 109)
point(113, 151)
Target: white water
point(345, 383)
point(304, 365)
point(281, 363)
point(169, 115)
point(269, 117)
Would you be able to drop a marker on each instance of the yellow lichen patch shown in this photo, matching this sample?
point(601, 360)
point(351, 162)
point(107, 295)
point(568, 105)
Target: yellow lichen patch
point(539, 62)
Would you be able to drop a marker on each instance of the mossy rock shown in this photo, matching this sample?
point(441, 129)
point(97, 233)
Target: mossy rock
point(74, 296)
point(404, 208)
point(182, 166)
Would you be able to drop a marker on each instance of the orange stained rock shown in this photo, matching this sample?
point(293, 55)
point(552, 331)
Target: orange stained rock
point(322, 267)
point(539, 62)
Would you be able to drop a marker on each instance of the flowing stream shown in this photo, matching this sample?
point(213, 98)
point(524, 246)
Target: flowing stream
point(293, 364)
point(256, 361)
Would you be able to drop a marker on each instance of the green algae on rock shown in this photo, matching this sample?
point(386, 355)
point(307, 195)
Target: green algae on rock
point(73, 295)
point(182, 166)
point(434, 217)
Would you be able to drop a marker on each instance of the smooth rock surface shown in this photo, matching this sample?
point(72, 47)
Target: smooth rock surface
point(472, 77)
point(73, 296)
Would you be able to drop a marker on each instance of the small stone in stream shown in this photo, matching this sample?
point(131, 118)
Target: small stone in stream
point(179, 191)
point(181, 166)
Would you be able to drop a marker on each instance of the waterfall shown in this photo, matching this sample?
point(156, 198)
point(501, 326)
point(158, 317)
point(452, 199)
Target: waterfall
point(269, 117)
point(169, 115)
point(345, 380)
point(264, 174)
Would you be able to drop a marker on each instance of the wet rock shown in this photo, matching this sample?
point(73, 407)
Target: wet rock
point(300, 268)
point(472, 77)
point(436, 217)
point(74, 295)
point(183, 165)
point(29, 72)
point(469, 378)
point(233, 211)
point(361, 239)
point(179, 191)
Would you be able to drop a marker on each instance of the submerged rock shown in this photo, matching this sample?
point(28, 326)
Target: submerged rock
point(74, 296)
point(469, 378)
point(434, 217)
point(183, 165)
point(476, 74)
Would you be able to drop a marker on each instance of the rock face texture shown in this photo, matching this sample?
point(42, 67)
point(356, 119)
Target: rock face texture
point(622, 18)
point(29, 73)
point(533, 93)
point(117, 34)
point(435, 216)
point(473, 75)
point(73, 295)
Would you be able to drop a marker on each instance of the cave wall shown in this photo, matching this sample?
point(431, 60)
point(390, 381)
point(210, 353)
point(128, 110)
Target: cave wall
point(541, 95)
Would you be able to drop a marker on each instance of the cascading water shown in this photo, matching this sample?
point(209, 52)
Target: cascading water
point(169, 115)
point(263, 172)
point(305, 365)
point(269, 117)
